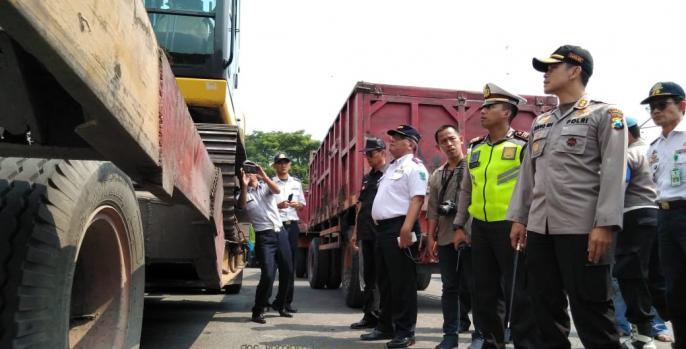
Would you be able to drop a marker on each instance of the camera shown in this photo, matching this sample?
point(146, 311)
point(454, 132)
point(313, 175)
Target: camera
point(249, 167)
point(447, 208)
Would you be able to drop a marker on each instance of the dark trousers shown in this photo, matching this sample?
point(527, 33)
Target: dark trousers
point(671, 232)
point(272, 250)
point(397, 280)
point(369, 303)
point(455, 288)
point(633, 270)
point(293, 234)
point(492, 259)
point(558, 269)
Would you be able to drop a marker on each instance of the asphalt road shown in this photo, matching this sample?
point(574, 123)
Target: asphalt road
point(222, 321)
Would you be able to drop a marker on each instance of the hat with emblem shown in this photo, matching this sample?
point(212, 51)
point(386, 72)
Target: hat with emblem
point(373, 144)
point(406, 131)
point(281, 157)
point(664, 89)
point(494, 94)
point(567, 54)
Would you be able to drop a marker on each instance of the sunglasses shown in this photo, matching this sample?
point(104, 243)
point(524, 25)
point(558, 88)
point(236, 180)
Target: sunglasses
point(661, 105)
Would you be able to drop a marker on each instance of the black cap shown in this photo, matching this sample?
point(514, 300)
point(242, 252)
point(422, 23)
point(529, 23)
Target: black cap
point(406, 131)
point(568, 54)
point(373, 144)
point(281, 157)
point(664, 89)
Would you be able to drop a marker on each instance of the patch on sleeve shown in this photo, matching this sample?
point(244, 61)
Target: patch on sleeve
point(616, 118)
point(417, 160)
point(422, 175)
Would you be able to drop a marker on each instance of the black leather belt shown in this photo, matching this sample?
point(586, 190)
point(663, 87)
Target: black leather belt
point(289, 222)
point(670, 205)
point(383, 222)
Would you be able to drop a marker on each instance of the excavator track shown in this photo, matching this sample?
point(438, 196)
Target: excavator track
point(223, 144)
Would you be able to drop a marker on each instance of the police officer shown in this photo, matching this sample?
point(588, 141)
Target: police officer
point(258, 199)
point(492, 168)
point(365, 231)
point(635, 243)
point(291, 199)
point(569, 196)
point(667, 158)
point(395, 212)
point(444, 188)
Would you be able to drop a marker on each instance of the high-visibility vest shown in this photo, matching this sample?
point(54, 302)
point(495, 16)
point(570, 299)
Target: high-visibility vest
point(494, 169)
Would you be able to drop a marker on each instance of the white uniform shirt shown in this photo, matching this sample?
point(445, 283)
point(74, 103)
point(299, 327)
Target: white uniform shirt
point(261, 209)
point(404, 179)
point(664, 155)
point(289, 186)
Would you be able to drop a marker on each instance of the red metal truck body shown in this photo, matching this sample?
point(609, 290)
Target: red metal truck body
point(337, 167)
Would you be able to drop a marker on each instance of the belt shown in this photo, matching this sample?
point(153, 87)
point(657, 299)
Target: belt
point(383, 222)
point(289, 222)
point(670, 205)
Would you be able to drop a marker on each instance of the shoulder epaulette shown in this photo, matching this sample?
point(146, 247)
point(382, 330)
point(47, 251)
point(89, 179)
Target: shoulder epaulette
point(477, 140)
point(523, 135)
point(295, 179)
point(417, 160)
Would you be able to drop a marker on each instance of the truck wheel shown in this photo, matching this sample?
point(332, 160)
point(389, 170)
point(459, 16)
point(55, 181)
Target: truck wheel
point(423, 281)
point(335, 269)
point(71, 255)
point(317, 265)
point(351, 279)
point(301, 262)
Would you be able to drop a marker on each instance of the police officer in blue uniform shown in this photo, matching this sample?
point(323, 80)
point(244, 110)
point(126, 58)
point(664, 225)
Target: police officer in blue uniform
point(395, 211)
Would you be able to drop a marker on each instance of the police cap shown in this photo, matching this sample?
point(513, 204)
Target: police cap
point(494, 94)
point(405, 131)
point(373, 144)
point(664, 89)
point(281, 157)
point(566, 54)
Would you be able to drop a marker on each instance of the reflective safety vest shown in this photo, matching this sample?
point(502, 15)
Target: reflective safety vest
point(494, 169)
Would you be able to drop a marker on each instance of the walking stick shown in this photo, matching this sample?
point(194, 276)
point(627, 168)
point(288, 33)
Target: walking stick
point(508, 329)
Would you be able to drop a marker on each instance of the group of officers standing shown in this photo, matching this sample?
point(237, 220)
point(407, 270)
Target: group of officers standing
point(533, 222)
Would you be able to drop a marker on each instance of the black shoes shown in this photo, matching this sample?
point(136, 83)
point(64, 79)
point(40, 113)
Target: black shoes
point(290, 309)
point(282, 311)
point(259, 318)
point(376, 335)
point(400, 342)
point(449, 342)
point(368, 321)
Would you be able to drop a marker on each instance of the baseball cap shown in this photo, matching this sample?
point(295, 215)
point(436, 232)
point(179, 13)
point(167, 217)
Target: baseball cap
point(664, 89)
point(406, 131)
point(495, 94)
point(281, 157)
point(568, 54)
point(373, 144)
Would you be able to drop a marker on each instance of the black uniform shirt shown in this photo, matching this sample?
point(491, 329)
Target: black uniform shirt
point(365, 225)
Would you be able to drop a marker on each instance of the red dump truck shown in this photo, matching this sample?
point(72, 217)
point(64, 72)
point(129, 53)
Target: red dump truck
point(337, 167)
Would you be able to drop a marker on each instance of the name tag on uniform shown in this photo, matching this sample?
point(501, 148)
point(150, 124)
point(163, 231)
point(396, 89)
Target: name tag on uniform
point(509, 153)
point(676, 177)
point(398, 173)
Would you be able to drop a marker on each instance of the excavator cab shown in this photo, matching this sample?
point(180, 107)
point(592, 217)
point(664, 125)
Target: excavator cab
point(200, 38)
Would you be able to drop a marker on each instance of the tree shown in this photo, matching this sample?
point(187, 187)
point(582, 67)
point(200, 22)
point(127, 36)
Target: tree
point(261, 147)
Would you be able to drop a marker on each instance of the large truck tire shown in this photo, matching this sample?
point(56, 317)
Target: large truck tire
point(351, 279)
point(335, 269)
point(301, 262)
point(317, 265)
point(423, 281)
point(71, 255)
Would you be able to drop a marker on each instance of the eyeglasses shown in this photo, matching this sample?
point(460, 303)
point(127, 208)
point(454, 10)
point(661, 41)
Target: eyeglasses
point(661, 105)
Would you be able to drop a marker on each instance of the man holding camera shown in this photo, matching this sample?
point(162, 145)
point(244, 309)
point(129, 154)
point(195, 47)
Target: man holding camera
point(444, 186)
point(258, 199)
point(493, 167)
point(291, 199)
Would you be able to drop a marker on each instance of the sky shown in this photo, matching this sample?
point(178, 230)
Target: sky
point(300, 60)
